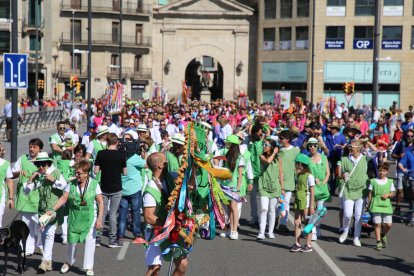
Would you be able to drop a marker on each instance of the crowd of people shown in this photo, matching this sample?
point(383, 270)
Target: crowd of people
point(302, 154)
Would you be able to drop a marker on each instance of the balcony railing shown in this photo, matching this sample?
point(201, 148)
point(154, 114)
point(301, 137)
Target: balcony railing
point(31, 55)
point(128, 7)
point(31, 25)
point(141, 74)
point(108, 40)
point(66, 71)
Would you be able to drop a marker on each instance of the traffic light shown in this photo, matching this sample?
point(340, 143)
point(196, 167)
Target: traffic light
point(345, 87)
point(352, 88)
point(78, 87)
point(40, 85)
point(73, 81)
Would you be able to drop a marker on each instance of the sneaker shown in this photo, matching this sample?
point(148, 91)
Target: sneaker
point(283, 228)
point(357, 243)
point(379, 246)
point(89, 272)
point(65, 268)
point(45, 266)
point(384, 241)
point(261, 236)
point(98, 242)
point(114, 244)
point(343, 237)
point(295, 248)
point(40, 250)
point(306, 248)
point(225, 234)
point(271, 236)
point(234, 235)
point(64, 242)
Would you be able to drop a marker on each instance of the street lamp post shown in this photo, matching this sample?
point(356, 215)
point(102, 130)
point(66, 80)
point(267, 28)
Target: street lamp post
point(375, 61)
point(73, 47)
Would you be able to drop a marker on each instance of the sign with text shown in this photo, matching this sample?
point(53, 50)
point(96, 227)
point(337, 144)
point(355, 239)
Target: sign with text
point(335, 44)
point(284, 72)
point(393, 10)
point(363, 44)
point(335, 11)
point(391, 44)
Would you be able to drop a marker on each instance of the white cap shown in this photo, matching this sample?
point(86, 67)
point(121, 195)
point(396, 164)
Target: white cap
point(133, 134)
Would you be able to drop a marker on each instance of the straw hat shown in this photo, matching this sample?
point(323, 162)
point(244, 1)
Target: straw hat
point(206, 125)
point(141, 128)
point(311, 140)
point(102, 129)
point(42, 157)
point(178, 139)
point(132, 133)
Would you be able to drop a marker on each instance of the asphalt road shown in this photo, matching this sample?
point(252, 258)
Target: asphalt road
point(247, 256)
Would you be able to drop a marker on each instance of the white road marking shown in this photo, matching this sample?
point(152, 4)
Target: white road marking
point(122, 252)
point(329, 262)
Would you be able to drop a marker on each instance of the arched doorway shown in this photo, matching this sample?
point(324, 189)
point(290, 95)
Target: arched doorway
point(208, 66)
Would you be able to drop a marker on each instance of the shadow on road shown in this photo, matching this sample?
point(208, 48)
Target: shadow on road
point(391, 262)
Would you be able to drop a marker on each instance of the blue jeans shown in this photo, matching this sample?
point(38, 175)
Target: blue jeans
point(135, 200)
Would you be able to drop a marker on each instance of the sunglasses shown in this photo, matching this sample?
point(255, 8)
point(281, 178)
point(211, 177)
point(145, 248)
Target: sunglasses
point(313, 146)
point(41, 164)
point(162, 124)
point(62, 128)
point(267, 145)
point(410, 136)
point(80, 173)
point(350, 122)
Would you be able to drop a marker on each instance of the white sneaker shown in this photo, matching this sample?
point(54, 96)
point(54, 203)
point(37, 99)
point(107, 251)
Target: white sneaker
point(225, 234)
point(314, 237)
point(343, 237)
point(357, 243)
point(271, 236)
point(234, 235)
point(261, 236)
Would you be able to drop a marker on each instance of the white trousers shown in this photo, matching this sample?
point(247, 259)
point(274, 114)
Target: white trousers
point(349, 206)
point(267, 209)
point(32, 221)
point(89, 256)
point(65, 228)
point(2, 207)
point(48, 240)
point(239, 208)
point(288, 196)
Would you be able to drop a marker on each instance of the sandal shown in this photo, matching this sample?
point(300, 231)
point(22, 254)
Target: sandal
point(65, 268)
point(89, 272)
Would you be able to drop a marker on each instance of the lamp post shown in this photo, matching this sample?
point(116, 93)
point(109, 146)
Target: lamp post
point(313, 53)
point(375, 69)
point(73, 47)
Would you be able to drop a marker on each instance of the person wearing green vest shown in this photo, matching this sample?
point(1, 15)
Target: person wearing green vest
point(319, 167)
point(354, 181)
point(288, 155)
point(154, 200)
point(97, 144)
point(28, 203)
point(381, 190)
point(256, 149)
point(6, 182)
point(235, 163)
point(57, 141)
point(247, 183)
point(83, 195)
point(304, 201)
point(175, 153)
point(50, 183)
point(270, 187)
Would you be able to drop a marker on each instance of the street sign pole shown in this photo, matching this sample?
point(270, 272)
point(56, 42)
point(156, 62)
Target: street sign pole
point(14, 95)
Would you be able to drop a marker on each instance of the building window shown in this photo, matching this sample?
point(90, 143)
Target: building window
point(364, 7)
point(75, 4)
point(115, 32)
point(137, 63)
point(285, 35)
point(76, 63)
point(336, 3)
point(34, 6)
point(4, 41)
point(392, 32)
point(5, 9)
point(393, 2)
point(138, 34)
point(364, 32)
point(285, 8)
point(116, 5)
point(32, 40)
point(269, 9)
point(75, 31)
point(302, 34)
point(335, 32)
point(412, 37)
point(114, 64)
point(302, 9)
point(269, 35)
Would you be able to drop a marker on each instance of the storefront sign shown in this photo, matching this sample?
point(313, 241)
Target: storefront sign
point(284, 72)
point(393, 10)
point(335, 44)
point(392, 44)
point(335, 11)
point(363, 44)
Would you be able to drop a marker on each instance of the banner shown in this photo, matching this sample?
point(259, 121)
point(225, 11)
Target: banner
point(282, 98)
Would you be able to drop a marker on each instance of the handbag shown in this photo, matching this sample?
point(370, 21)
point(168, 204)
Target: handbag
point(341, 193)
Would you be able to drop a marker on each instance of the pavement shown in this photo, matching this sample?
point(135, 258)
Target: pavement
point(247, 256)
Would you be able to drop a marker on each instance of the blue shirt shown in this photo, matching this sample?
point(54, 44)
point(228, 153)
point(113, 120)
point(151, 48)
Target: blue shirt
point(408, 161)
point(406, 126)
point(302, 137)
point(331, 140)
point(131, 183)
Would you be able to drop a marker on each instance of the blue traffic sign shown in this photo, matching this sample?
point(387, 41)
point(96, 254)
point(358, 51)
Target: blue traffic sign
point(15, 71)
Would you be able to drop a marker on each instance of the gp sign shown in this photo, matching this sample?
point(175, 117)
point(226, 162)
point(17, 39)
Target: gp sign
point(363, 44)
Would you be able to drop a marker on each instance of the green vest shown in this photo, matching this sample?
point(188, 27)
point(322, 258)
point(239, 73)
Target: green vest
point(26, 202)
point(256, 149)
point(379, 205)
point(356, 187)
point(319, 171)
point(97, 147)
point(65, 168)
point(56, 155)
point(269, 182)
point(301, 198)
point(173, 162)
point(3, 172)
point(288, 157)
point(161, 202)
point(48, 196)
point(80, 218)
